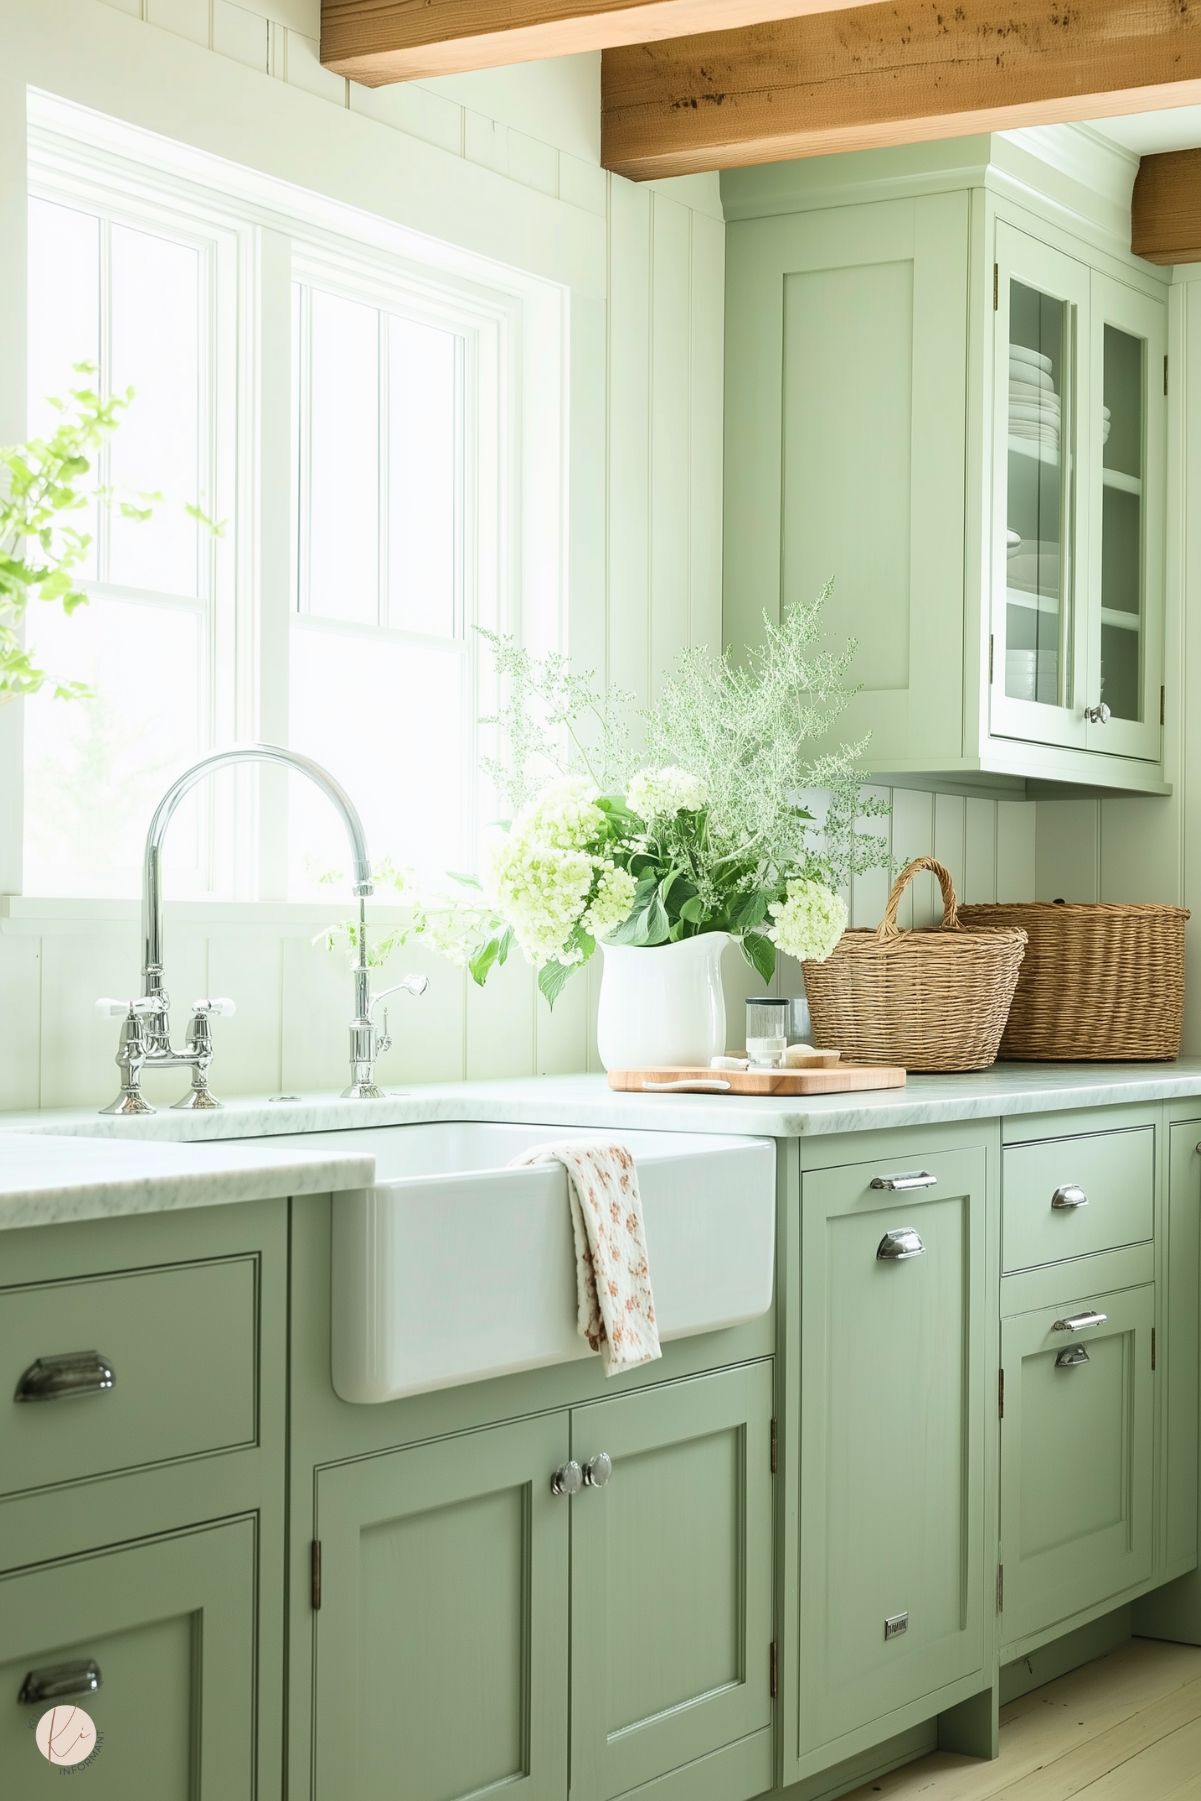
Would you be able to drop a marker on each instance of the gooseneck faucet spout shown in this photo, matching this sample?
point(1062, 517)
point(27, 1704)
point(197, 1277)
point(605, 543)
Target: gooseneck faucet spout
point(145, 1039)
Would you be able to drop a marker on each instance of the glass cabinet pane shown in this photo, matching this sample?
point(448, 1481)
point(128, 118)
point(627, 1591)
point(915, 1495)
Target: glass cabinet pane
point(1122, 523)
point(1038, 634)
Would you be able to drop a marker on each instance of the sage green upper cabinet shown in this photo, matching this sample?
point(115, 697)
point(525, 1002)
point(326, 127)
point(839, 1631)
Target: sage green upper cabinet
point(671, 1577)
point(156, 1643)
point(441, 1642)
point(890, 1620)
point(848, 348)
point(945, 389)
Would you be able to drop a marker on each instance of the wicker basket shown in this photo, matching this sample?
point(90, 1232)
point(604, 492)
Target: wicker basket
point(1100, 983)
point(934, 999)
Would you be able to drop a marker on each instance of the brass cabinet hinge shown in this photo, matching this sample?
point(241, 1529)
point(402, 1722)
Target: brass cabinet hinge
point(1162, 704)
point(1000, 1394)
point(315, 1574)
point(775, 1447)
point(773, 1671)
point(1000, 1588)
point(1153, 1347)
point(996, 287)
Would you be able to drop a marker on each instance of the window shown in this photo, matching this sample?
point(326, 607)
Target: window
point(351, 414)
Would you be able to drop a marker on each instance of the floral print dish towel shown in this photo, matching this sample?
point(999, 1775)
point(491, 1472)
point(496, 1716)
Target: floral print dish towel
point(613, 1278)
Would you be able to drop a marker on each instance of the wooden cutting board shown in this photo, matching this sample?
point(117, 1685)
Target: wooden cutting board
point(844, 1078)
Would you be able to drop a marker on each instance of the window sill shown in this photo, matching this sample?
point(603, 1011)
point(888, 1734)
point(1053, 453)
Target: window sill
point(26, 914)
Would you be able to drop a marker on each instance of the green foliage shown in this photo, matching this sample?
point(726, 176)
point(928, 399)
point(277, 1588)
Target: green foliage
point(42, 484)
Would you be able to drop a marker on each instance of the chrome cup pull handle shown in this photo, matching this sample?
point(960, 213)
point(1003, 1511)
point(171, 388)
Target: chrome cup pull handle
point(1079, 1322)
point(60, 1680)
point(1068, 1196)
point(899, 1246)
point(917, 1178)
point(1071, 1357)
point(64, 1377)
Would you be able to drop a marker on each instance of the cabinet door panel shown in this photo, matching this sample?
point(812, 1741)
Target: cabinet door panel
point(441, 1641)
point(671, 1579)
point(1126, 513)
point(891, 1445)
point(845, 400)
point(1042, 376)
point(1077, 1445)
point(171, 1625)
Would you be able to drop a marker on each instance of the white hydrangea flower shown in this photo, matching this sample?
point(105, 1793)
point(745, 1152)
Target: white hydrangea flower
point(541, 891)
point(610, 906)
point(564, 815)
point(657, 793)
point(808, 923)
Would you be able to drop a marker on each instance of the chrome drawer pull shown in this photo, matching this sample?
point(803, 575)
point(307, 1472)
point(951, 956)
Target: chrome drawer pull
point(1069, 1196)
point(1076, 1322)
point(1071, 1357)
point(60, 1378)
point(918, 1178)
point(58, 1680)
point(896, 1247)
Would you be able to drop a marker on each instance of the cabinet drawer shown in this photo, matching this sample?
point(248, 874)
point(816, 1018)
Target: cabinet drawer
point(1069, 1197)
point(180, 1345)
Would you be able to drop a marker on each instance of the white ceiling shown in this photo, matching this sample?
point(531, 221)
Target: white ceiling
point(1178, 128)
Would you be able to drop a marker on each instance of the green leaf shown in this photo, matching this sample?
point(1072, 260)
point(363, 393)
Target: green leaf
point(479, 965)
point(694, 910)
point(760, 953)
point(468, 881)
point(655, 927)
point(748, 910)
point(551, 980)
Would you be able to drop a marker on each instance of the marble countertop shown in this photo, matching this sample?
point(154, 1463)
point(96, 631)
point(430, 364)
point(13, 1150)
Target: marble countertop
point(77, 1164)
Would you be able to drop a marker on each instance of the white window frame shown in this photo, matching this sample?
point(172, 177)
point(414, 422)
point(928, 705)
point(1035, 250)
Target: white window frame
point(516, 327)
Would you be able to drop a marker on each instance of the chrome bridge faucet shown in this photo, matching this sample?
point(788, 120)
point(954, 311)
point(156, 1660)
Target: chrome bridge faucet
point(145, 1036)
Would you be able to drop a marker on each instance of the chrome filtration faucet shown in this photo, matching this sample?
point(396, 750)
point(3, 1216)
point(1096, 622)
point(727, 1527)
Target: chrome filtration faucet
point(145, 1038)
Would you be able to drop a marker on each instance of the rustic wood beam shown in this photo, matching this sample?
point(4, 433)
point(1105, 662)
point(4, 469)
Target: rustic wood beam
point(380, 41)
point(1166, 211)
point(885, 75)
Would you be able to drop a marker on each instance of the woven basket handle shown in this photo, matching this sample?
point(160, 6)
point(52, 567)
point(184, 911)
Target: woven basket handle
point(888, 929)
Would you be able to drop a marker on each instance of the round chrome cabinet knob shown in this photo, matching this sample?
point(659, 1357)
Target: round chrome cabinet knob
point(1098, 715)
point(598, 1470)
point(568, 1479)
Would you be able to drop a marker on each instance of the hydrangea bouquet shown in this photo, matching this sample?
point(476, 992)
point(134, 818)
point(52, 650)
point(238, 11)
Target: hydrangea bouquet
point(704, 830)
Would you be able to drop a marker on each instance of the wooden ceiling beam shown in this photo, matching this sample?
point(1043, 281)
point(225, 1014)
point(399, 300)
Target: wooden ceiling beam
point(380, 41)
point(1165, 216)
point(878, 76)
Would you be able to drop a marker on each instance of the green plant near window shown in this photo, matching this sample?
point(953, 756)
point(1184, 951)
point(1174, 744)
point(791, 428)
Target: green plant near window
point(45, 484)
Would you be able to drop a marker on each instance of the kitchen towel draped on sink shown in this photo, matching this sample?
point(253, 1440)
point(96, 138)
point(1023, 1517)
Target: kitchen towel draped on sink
point(613, 1279)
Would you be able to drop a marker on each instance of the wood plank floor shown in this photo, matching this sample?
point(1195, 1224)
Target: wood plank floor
point(1126, 1728)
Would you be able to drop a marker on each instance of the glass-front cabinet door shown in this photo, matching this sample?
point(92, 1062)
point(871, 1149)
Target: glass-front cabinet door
point(1126, 540)
point(1040, 639)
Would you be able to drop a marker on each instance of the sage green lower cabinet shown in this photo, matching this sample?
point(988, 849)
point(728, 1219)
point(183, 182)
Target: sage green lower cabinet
point(1178, 1366)
point(441, 1642)
point(170, 1627)
point(671, 1582)
point(892, 1452)
point(1077, 1458)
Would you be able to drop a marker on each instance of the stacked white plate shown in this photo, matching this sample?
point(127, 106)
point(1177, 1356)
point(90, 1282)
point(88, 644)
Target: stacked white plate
point(1034, 407)
point(1032, 675)
point(1034, 567)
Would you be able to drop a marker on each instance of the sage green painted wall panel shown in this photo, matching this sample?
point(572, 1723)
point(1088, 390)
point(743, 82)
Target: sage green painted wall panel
point(1077, 1459)
point(892, 1447)
point(671, 1573)
point(444, 1613)
point(172, 1625)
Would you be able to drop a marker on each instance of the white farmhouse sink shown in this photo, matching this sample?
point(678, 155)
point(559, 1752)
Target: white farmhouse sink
point(452, 1267)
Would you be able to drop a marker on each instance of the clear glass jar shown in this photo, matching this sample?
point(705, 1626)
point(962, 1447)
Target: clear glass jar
point(766, 1031)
